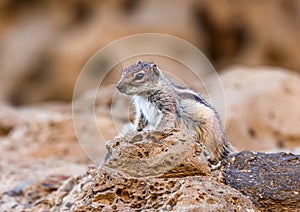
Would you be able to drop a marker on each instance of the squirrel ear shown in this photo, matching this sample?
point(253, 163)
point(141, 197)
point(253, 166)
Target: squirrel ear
point(155, 69)
point(139, 62)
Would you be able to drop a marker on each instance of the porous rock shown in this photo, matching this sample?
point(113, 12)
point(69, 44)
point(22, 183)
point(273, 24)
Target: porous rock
point(111, 190)
point(123, 184)
point(157, 153)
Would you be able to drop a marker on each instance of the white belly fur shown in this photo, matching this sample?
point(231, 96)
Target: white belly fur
point(152, 114)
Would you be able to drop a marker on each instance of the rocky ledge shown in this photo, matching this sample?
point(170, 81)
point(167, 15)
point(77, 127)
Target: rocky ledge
point(166, 171)
point(149, 171)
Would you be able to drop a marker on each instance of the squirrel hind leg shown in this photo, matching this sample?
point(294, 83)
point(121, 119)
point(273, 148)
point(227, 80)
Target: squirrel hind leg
point(222, 152)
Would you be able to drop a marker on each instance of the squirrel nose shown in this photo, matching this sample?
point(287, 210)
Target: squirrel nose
point(119, 87)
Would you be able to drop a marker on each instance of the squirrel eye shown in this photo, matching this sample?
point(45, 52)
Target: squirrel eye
point(139, 76)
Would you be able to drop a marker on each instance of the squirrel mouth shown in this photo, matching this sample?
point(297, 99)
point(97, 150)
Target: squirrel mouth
point(122, 89)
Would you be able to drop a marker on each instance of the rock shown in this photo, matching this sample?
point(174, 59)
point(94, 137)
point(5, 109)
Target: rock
point(159, 154)
point(132, 179)
point(271, 181)
point(69, 195)
point(110, 190)
point(8, 120)
point(262, 108)
point(39, 143)
point(141, 175)
point(39, 150)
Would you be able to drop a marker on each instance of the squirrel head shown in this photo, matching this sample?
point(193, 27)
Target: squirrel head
point(139, 78)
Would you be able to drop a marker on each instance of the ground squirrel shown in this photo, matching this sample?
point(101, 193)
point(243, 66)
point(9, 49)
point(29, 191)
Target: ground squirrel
point(160, 104)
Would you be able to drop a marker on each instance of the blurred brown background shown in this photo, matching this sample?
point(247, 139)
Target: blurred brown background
point(44, 44)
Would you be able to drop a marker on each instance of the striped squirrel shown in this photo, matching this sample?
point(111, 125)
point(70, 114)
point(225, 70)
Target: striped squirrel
point(160, 104)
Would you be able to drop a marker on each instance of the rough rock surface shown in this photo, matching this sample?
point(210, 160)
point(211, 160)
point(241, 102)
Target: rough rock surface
point(262, 108)
point(39, 150)
point(111, 190)
point(183, 184)
point(156, 153)
point(144, 172)
point(272, 181)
